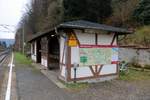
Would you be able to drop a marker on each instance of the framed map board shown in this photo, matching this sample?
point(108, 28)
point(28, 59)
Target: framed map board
point(95, 56)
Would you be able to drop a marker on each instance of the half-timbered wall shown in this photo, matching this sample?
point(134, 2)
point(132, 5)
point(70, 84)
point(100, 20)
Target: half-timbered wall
point(33, 51)
point(85, 38)
point(94, 40)
point(71, 55)
point(63, 53)
point(105, 39)
point(44, 51)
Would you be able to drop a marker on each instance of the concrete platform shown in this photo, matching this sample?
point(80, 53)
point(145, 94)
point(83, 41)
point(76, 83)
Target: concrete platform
point(50, 74)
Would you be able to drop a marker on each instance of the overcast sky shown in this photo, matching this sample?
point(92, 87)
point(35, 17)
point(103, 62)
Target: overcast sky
point(10, 14)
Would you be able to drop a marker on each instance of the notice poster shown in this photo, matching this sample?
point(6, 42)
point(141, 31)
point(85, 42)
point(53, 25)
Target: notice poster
point(72, 42)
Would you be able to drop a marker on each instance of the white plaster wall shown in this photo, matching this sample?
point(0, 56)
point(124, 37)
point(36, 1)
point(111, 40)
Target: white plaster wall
point(106, 39)
point(89, 38)
point(75, 55)
point(86, 72)
point(81, 72)
point(44, 62)
point(35, 48)
point(115, 42)
point(85, 38)
point(109, 69)
point(62, 43)
point(32, 51)
point(33, 57)
point(63, 71)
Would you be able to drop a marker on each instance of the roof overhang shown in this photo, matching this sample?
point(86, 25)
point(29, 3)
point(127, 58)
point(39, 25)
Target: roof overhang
point(40, 34)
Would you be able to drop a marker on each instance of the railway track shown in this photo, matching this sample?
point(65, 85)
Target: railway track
point(3, 68)
point(3, 55)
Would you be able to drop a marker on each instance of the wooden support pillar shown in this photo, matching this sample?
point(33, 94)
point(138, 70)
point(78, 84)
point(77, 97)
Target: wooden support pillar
point(48, 52)
point(68, 63)
point(68, 58)
point(114, 37)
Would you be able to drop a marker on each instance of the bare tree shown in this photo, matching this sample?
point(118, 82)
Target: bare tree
point(122, 12)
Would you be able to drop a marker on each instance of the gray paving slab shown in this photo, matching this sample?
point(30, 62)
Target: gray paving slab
point(33, 85)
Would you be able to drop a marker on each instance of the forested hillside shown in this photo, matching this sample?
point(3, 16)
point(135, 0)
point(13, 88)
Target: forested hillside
point(92, 10)
point(45, 14)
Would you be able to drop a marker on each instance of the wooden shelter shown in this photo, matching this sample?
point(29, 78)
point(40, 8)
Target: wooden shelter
point(81, 50)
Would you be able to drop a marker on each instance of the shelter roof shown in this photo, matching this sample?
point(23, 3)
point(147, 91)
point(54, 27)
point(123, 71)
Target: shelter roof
point(82, 24)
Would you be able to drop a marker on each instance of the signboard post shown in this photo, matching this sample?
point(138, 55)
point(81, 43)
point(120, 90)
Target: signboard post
point(75, 65)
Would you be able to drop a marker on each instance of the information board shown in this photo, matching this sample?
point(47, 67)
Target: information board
point(95, 56)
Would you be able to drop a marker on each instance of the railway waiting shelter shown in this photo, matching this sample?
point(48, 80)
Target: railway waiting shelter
point(80, 50)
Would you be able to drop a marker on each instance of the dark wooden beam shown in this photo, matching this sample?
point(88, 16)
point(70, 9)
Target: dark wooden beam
point(113, 39)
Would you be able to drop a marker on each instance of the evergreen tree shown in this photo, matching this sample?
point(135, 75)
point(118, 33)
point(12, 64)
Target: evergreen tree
point(74, 9)
point(98, 10)
point(92, 10)
point(142, 12)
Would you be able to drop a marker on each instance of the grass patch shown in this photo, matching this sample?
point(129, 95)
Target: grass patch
point(22, 59)
point(135, 75)
point(77, 86)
